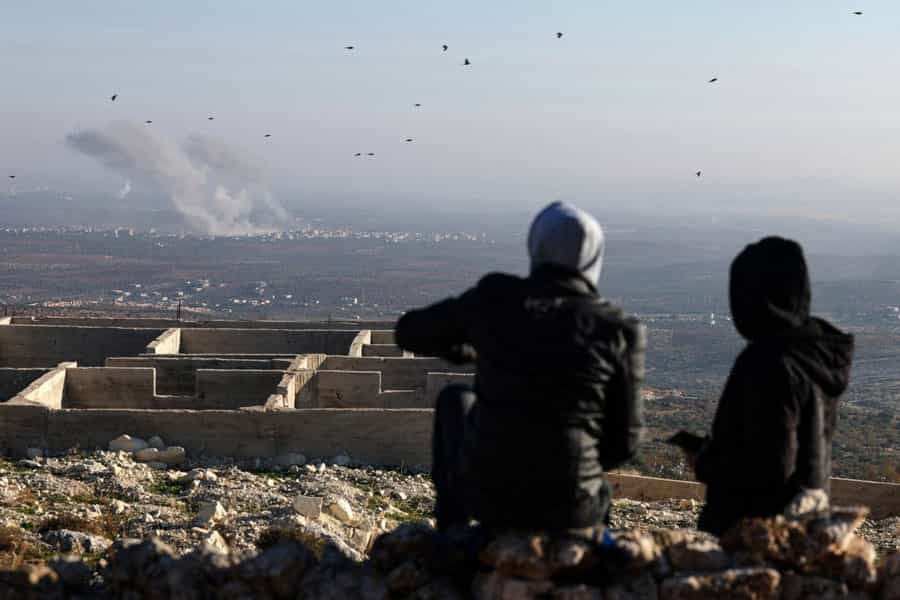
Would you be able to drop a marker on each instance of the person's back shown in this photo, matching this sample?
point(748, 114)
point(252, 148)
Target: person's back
point(772, 434)
point(557, 396)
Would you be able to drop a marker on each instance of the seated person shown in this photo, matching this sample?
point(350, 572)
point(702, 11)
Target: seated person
point(556, 399)
point(771, 437)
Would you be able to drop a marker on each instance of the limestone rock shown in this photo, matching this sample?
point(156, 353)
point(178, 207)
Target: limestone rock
point(407, 577)
point(118, 507)
point(214, 543)
point(75, 541)
point(28, 463)
point(156, 442)
point(497, 586)
point(800, 587)
point(734, 584)
point(698, 556)
point(172, 456)
point(807, 502)
point(73, 573)
point(126, 443)
point(341, 510)
point(517, 555)
point(211, 512)
point(159, 466)
point(147, 455)
point(308, 506)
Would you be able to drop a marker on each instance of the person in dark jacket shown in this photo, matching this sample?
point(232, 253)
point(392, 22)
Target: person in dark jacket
point(772, 432)
point(556, 399)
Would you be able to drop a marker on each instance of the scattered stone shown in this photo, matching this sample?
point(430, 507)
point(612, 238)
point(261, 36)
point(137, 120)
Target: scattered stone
point(214, 543)
point(147, 455)
point(27, 463)
point(159, 466)
point(126, 443)
point(211, 512)
point(156, 442)
point(118, 507)
point(734, 584)
point(308, 506)
point(77, 542)
point(341, 510)
point(698, 556)
point(172, 456)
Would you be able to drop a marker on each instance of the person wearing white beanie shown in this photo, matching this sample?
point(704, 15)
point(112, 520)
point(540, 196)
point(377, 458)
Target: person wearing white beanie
point(556, 400)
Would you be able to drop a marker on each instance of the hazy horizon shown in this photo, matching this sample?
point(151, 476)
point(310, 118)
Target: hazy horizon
point(617, 114)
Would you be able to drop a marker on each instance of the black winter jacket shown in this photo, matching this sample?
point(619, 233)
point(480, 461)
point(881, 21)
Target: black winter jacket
point(558, 383)
point(774, 425)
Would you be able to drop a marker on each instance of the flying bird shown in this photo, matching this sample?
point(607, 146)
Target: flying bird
point(12, 176)
point(857, 13)
point(559, 34)
point(210, 118)
point(417, 105)
point(371, 154)
point(699, 173)
point(466, 63)
point(409, 139)
point(445, 47)
point(358, 154)
point(713, 80)
point(349, 47)
point(113, 97)
point(268, 135)
point(148, 122)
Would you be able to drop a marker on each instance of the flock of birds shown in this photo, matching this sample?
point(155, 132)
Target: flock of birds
point(444, 47)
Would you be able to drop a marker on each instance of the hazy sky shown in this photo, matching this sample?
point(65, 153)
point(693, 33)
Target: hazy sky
point(804, 118)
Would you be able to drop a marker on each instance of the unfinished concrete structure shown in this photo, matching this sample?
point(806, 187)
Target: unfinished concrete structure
point(243, 389)
point(249, 389)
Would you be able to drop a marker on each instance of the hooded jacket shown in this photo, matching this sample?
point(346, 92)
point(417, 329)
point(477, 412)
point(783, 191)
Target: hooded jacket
point(774, 425)
point(557, 380)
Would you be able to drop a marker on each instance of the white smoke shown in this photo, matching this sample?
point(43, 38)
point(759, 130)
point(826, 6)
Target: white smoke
point(126, 189)
point(216, 190)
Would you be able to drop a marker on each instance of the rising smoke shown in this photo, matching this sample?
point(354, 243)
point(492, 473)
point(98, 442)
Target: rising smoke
point(216, 190)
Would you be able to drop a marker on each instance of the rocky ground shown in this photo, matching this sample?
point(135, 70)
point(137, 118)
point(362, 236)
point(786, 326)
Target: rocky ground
point(83, 503)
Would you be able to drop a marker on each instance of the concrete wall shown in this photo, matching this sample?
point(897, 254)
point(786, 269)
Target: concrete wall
point(362, 338)
point(378, 437)
point(13, 381)
point(32, 346)
point(5, 320)
point(264, 341)
point(383, 350)
point(346, 389)
point(383, 336)
point(46, 391)
point(219, 389)
point(882, 498)
point(396, 373)
point(169, 342)
point(109, 387)
point(438, 381)
point(137, 323)
point(176, 375)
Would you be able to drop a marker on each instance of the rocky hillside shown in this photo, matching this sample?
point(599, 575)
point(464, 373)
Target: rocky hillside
point(73, 525)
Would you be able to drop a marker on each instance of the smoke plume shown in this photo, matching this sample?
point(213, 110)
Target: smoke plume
point(217, 190)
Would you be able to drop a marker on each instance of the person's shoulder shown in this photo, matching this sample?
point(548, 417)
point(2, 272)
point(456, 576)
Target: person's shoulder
point(616, 320)
point(497, 283)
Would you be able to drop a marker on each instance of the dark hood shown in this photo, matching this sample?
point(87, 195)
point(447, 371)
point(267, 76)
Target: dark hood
point(769, 288)
point(770, 303)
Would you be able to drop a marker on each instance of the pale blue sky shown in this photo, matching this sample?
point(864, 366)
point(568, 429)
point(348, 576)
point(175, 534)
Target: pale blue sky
point(806, 103)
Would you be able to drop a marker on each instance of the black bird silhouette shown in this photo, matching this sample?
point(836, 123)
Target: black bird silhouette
point(417, 105)
point(12, 176)
point(371, 154)
point(113, 97)
point(713, 80)
point(409, 139)
point(559, 34)
point(466, 63)
point(349, 47)
point(699, 173)
point(445, 47)
point(358, 154)
point(857, 13)
point(148, 122)
point(210, 118)
point(268, 135)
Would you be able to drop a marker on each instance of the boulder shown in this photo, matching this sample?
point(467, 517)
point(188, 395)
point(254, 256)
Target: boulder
point(497, 586)
point(172, 456)
point(156, 442)
point(341, 510)
point(126, 443)
point(308, 506)
point(214, 543)
point(210, 512)
point(733, 584)
point(698, 555)
point(146, 455)
point(76, 542)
